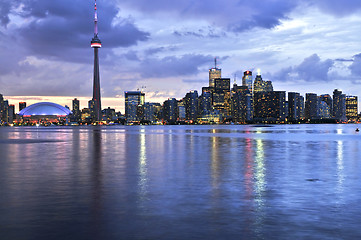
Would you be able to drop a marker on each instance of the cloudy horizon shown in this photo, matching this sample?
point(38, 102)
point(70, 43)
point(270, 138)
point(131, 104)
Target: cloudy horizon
point(166, 48)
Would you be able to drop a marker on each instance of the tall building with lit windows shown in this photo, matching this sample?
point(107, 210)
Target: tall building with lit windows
point(311, 106)
point(294, 106)
point(339, 105)
point(214, 73)
point(222, 96)
point(247, 80)
point(170, 111)
point(270, 106)
point(76, 110)
point(241, 104)
point(134, 100)
point(351, 108)
point(191, 105)
point(260, 85)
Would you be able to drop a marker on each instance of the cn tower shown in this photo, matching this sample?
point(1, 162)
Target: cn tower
point(96, 44)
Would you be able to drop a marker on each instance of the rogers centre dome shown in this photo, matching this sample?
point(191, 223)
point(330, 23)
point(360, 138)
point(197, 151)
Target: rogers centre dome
point(45, 109)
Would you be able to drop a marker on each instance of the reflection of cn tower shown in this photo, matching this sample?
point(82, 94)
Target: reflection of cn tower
point(96, 43)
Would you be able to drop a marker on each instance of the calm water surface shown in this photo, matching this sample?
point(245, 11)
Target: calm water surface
point(181, 182)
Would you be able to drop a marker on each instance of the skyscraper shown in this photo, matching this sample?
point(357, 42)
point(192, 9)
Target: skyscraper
point(241, 104)
point(170, 111)
point(351, 108)
point(214, 73)
point(222, 96)
point(270, 106)
point(76, 110)
point(260, 85)
point(22, 105)
point(339, 105)
point(191, 105)
point(294, 108)
point(247, 80)
point(311, 106)
point(96, 44)
point(134, 101)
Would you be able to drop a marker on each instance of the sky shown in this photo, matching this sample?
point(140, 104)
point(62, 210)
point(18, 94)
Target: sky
point(165, 48)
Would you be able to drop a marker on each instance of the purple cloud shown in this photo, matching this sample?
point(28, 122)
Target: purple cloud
point(173, 66)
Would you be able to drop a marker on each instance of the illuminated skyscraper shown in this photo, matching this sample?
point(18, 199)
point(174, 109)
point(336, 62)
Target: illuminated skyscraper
point(260, 85)
point(170, 111)
point(241, 104)
point(247, 80)
point(96, 44)
point(351, 108)
point(270, 106)
point(134, 101)
point(76, 110)
point(295, 106)
point(328, 100)
point(214, 73)
point(339, 105)
point(222, 96)
point(191, 105)
point(311, 106)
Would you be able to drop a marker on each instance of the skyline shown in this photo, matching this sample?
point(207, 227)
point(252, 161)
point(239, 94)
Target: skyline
point(161, 46)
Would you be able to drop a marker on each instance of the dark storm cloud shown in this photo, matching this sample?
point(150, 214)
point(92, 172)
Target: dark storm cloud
point(312, 69)
point(173, 66)
point(234, 15)
point(60, 28)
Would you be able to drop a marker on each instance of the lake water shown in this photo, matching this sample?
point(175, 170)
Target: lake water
point(180, 182)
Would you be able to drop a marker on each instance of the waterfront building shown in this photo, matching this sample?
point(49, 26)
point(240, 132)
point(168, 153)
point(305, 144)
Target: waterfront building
point(181, 110)
point(311, 106)
point(241, 104)
point(294, 106)
point(2, 110)
point(91, 106)
point(170, 111)
point(109, 114)
point(339, 105)
point(221, 96)
point(302, 107)
point(328, 100)
point(151, 112)
point(191, 105)
point(46, 112)
point(134, 101)
point(96, 44)
point(352, 108)
point(76, 110)
point(270, 106)
point(205, 102)
point(323, 110)
point(11, 113)
point(22, 105)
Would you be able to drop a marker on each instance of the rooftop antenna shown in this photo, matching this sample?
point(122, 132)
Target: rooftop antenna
point(215, 62)
point(95, 19)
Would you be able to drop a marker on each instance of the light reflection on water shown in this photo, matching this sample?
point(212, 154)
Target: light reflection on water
point(180, 182)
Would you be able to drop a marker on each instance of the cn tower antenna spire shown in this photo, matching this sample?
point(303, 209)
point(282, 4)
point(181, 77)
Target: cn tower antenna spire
point(95, 19)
